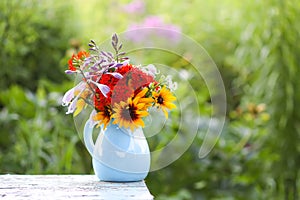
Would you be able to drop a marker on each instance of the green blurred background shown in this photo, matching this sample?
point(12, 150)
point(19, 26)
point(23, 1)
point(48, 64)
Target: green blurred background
point(255, 45)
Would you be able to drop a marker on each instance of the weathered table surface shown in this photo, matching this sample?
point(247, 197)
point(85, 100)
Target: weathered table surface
point(68, 187)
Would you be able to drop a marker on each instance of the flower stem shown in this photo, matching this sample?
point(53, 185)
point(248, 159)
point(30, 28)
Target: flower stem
point(85, 79)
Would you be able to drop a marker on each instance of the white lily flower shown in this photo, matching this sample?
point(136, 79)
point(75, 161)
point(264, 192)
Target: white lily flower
point(104, 89)
point(151, 70)
point(69, 95)
point(69, 98)
point(172, 85)
point(116, 75)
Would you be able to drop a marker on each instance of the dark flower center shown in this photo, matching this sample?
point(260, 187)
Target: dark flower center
point(107, 111)
point(132, 113)
point(160, 100)
point(129, 113)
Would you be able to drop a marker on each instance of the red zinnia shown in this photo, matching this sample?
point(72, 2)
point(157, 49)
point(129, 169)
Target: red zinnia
point(121, 89)
point(140, 78)
point(124, 69)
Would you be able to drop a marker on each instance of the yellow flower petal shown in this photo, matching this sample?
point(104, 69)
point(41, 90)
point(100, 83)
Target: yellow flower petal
point(129, 114)
point(170, 105)
point(79, 107)
point(165, 112)
point(103, 117)
point(163, 99)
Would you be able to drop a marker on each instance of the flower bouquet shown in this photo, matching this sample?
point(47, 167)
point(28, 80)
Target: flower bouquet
point(120, 95)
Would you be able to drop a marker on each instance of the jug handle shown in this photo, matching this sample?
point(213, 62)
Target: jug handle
point(87, 136)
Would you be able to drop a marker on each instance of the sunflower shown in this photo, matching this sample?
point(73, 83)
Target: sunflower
point(103, 117)
point(129, 114)
point(163, 99)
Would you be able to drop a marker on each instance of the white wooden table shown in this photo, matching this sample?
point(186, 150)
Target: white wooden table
point(69, 187)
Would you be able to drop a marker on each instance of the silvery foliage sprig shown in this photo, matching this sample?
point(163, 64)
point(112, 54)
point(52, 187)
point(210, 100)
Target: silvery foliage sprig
point(101, 62)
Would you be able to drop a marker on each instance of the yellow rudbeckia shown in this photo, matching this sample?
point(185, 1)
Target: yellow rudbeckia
point(129, 114)
point(163, 99)
point(103, 117)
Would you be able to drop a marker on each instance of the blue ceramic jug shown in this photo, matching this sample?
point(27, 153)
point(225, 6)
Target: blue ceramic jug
point(119, 154)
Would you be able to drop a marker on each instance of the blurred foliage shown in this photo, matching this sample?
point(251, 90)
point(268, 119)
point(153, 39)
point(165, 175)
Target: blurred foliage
point(33, 39)
point(254, 45)
point(35, 137)
point(271, 53)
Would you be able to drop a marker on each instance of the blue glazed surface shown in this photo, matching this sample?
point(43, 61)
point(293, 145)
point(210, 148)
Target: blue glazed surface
point(105, 173)
point(118, 154)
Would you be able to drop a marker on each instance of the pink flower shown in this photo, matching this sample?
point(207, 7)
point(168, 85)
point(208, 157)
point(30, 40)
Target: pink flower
point(153, 26)
point(136, 6)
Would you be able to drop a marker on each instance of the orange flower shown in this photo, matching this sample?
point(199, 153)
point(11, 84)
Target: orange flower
point(76, 60)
